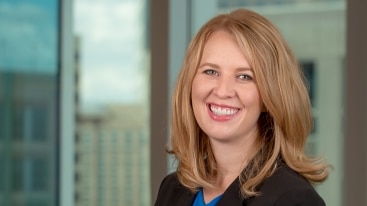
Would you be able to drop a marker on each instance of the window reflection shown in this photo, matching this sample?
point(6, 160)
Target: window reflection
point(28, 102)
point(113, 118)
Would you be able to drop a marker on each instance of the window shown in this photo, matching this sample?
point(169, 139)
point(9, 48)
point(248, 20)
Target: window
point(29, 45)
point(113, 87)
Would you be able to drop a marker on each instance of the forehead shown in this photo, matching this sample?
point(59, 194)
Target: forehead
point(222, 47)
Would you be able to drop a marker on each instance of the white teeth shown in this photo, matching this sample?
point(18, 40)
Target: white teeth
point(222, 111)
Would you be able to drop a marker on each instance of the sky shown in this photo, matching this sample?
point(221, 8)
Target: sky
point(113, 60)
point(28, 36)
point(112, 57)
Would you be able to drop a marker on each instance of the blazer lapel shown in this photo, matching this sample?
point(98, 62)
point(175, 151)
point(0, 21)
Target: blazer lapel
point(186, 198)
point(232, 195)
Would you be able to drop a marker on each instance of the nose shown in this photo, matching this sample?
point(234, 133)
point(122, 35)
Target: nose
point(225, 87)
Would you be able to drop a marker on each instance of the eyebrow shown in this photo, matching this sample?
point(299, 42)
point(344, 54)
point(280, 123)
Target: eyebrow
point(210, 65)
point(217, 67)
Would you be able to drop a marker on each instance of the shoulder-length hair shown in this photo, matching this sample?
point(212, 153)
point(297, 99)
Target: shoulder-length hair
point(283, 128)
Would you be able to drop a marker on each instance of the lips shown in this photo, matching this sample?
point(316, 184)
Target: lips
point(223, 110)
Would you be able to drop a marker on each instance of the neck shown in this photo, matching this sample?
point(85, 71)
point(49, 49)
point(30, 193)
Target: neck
point(231, 159)
point(231, 156)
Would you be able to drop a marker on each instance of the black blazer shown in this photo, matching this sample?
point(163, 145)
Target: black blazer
point(284, 188)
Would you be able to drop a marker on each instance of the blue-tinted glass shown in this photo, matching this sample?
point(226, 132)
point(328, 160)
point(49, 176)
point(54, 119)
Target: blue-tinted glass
point(28, 101)
point(2, 120)
point(308, 68)
point(28, 37)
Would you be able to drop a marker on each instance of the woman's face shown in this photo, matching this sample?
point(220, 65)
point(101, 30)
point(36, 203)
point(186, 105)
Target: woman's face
point(225, 97)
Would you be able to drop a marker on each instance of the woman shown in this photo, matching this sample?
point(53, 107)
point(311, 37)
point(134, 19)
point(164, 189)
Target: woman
point(241, 116)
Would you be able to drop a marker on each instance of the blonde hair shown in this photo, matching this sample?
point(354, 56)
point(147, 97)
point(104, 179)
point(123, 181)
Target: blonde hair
point(283, 128)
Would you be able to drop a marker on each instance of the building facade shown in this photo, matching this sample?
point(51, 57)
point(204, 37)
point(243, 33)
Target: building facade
point(112, 166)
point(29, 45)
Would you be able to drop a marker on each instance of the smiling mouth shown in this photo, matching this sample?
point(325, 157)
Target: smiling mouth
point(223, 111)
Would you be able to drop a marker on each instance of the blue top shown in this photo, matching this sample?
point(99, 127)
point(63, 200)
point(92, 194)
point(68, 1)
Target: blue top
point(199, 199)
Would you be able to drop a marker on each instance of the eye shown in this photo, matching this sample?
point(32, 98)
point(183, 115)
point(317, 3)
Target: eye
point(210, 72)
point(245, 77)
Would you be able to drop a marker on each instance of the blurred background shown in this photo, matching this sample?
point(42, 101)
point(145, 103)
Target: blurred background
point(85, 86)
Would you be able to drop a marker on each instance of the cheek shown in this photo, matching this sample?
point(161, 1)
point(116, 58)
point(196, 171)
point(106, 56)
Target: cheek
point(198, 89)
point(252, 98)
point(195, 97)
point(194, 94)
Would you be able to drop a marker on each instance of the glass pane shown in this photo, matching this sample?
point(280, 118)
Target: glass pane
point(112, 142)
point(315, 30)
point(28, 102)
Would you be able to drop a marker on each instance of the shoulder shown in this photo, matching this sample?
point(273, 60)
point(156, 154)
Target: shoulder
point(170, 180)
point(171, 191)
point(286, 187)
